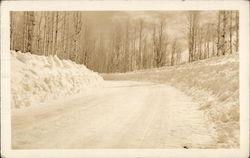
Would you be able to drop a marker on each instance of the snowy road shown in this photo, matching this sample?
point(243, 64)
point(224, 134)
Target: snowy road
point(121, 114)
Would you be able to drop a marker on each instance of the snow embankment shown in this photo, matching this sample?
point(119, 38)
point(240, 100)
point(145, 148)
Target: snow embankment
point(214, 83)
point(36, 79)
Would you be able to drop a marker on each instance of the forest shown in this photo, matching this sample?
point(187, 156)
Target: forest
point(121, 41)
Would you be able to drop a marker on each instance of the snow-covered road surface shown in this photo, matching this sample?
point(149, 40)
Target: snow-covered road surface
point(121, 114)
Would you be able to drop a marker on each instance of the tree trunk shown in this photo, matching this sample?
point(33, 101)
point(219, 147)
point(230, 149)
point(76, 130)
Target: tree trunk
point(218, 33)
point(224, 33)
point(237, 31)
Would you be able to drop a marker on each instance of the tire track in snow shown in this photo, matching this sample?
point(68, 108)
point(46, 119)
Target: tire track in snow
point(120, 115)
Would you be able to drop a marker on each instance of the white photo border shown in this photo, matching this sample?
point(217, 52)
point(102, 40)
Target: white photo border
point(7, 6)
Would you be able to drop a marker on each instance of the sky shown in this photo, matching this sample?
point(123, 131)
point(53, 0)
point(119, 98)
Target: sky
point(176, 21)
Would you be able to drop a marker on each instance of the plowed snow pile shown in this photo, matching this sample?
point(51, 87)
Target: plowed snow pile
point(36, 79)
point(214, 83)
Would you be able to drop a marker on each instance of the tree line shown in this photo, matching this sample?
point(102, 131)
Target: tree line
point(218, 37)
point(132, 44)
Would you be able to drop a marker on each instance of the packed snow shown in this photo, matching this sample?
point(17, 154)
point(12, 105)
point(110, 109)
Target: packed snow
point(37, 79)
point(119, 115)
point(213, 82)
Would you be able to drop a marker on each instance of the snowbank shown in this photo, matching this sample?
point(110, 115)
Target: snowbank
point(36, 79)
point(214, 83)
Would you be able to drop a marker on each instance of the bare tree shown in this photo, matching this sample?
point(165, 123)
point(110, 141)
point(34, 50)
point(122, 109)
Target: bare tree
point(178, 52)
point(160, 40)
point(127, 64)
point(231, 32)
point(55, 49)
point(12, 30)
point(219, 33)
point(224, 32)
point(193, 22)
point(140, 53)
point(77, 29)
point(237, 31)
point(173, 52)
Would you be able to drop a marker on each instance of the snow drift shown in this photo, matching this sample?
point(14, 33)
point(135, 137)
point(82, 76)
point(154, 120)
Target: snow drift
point(214, 83)
point(36, 79)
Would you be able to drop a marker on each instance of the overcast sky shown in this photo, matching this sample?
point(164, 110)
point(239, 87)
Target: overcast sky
point(103, 21)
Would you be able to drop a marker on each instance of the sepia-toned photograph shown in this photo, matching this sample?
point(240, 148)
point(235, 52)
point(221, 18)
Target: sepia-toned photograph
point(166, 79)
point(124, 79)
